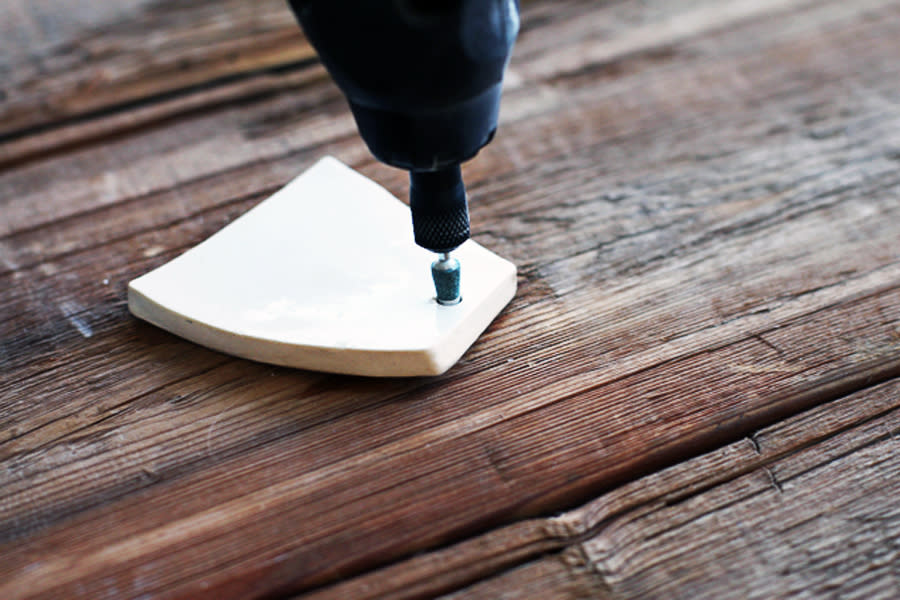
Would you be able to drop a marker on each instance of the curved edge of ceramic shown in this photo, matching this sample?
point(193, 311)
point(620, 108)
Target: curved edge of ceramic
point(428, 361)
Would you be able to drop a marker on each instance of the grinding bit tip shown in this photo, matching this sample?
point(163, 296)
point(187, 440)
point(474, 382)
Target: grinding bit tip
point(445, 273)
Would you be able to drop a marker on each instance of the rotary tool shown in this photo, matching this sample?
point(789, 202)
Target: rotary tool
point(423, 79)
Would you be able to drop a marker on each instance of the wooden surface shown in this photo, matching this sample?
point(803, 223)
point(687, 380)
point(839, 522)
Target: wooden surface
point(693, 394)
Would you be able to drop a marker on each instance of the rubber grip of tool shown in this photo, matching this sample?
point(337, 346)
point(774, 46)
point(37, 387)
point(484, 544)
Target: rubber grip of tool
point(440, 213)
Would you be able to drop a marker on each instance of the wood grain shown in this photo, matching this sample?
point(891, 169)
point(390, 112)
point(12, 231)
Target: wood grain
point(803, 509)
point(71, 60)
point(702, 199)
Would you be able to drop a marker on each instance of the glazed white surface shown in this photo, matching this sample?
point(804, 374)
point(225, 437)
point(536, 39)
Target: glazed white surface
point(324, 275)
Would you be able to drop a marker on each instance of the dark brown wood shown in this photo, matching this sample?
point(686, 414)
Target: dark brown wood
point(702, 199)
point(805, 508)
point(62, 62)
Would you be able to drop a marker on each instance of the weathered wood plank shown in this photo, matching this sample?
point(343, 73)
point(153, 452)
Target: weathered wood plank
point(60, 61)
point(757, 263)
point(105, 127)
point(803, 509)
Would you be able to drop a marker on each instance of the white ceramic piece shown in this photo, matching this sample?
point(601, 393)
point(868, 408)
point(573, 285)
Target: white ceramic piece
point(325, 275)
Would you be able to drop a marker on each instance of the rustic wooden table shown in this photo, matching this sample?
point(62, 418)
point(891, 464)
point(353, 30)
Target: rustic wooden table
point(693, 395)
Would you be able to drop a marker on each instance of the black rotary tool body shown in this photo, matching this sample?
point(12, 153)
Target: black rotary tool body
point(423, 80)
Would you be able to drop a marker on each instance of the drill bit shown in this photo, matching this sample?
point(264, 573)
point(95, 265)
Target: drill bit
point(440, 216)
point(445, 273)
